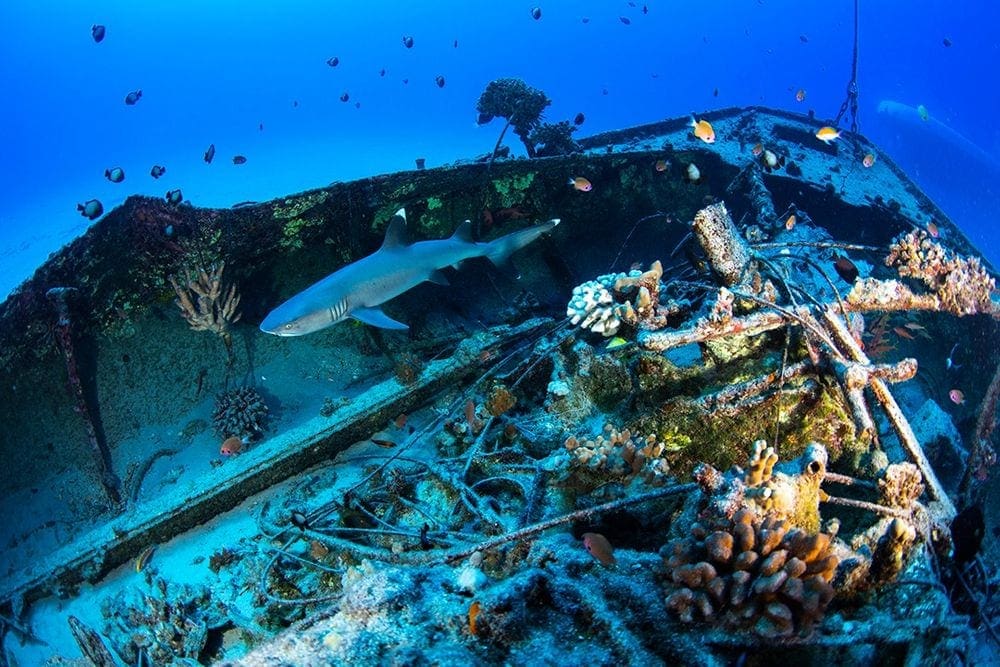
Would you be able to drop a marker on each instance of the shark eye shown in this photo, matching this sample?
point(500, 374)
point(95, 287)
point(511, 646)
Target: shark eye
point(288, 326)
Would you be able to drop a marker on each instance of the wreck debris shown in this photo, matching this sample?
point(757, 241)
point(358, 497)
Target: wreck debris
point(207, 304)
point(60, 298)
point(728, 254)
point(91, 644)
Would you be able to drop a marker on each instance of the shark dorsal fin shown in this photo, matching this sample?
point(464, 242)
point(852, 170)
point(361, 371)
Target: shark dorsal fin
point(395, 233)
point(463, 232)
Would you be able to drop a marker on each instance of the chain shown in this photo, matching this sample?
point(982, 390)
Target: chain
point(851, 101)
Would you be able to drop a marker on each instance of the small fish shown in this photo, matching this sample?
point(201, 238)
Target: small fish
point(945, 41)
point(715, 93)
point(383, 442)
point(790, 222)
point(345, 96)
point(585, 19)
point(578, 119)
point(115, 174)
point(133, 97)
point(239, 159)
point(142, 560)
point(924, 114)
point(299, 520)
point(660, 165)
point(405, 81)
point(97, 32)
point(231, 446)
point(616, 343)
point(599, 548)
point(826, 134)
point(210, 153)
point(757, 150)
point(581, 184)
point(400, 420)
point(454, 44)
point(693, 173)
point(439, 80)
point(949, 363)
point(626, 20)
point(645, 9)
point(408, 41)
point(868, 160)
point(804, 38)
point(260, 127)
point(913, 326)
point(295, 104)
point(933, 230)
point(381, 72)
point(703, 130)
point(474, 610)
point(956, 396)
point(770, 161)
point(91, 209)
point(357, 105)
point(333, 62)
point(846, 269)
point(903, 332)
point(174, 196)
point(800, 95)
point(157, 171)
point(536, 13)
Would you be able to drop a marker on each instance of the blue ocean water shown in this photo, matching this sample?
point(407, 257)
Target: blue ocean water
point(252, 78)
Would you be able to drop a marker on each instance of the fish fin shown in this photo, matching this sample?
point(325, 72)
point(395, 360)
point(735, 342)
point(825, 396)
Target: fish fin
point(438, 278)
point(395, 233)
point(376, 318)
point(463, 232)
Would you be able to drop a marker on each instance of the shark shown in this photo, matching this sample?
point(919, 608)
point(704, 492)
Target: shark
point(358, 289)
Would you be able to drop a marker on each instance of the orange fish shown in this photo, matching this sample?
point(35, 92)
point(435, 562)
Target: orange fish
point(932, 229)
point(868, 160)
point(474, 610)
point(661, 165)
point(581, 184)
point(800, 95)
point(231, 445)
point(826, 134)
point(903, 332)
point(956, 396)
point(757, 150)
point(400, 420)
point(383, 442)
point(790, 223)
point(703, 130)
point(599, 548)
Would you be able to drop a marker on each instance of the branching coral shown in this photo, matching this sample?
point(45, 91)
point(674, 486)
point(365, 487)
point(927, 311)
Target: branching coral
point(516, 101)
point(206, 303)
point(752, 573)
point(623, 455)
point(961, 284)
point(554, 139)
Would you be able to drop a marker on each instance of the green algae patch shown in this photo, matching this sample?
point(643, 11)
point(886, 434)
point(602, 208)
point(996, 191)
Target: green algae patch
point(511, 190)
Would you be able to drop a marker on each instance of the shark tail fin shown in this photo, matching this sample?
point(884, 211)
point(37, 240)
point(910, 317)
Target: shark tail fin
point(501, 249)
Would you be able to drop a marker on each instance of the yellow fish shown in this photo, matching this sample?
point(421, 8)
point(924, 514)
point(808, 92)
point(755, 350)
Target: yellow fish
point(661, 165)
point(616, 343)
point(581, 184)
point(703, 130)
point(826, 134)
point(757, 150)
point(868, 160)
point(790, 223)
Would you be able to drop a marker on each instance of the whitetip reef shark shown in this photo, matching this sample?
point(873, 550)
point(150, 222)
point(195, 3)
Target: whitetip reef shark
point(358, 289)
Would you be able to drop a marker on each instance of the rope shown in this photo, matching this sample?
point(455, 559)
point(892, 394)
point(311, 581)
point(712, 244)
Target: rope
point(851, 101)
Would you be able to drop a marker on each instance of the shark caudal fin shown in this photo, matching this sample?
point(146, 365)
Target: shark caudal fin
point(500, 249)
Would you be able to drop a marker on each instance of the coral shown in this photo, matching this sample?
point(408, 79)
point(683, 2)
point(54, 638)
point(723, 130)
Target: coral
point(751, 573)
point(554, 139)
point(793, 492)
point(900, 485)
point(499, 400)
point(891, 551)
point(240, 412)
point(516, 101)
point(166, 626)
point(216, 305)
point(604, 304)
point(620, 454)
point(961, 284)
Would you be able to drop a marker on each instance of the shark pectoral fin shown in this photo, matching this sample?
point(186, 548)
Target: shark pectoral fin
point(376, 318)
point(438, 278)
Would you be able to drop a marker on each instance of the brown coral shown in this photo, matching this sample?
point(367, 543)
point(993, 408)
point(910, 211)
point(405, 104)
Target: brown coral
point(206, 303)
point(961, 284)
point(750, 573)
point(900, 485)
point(621, 454)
